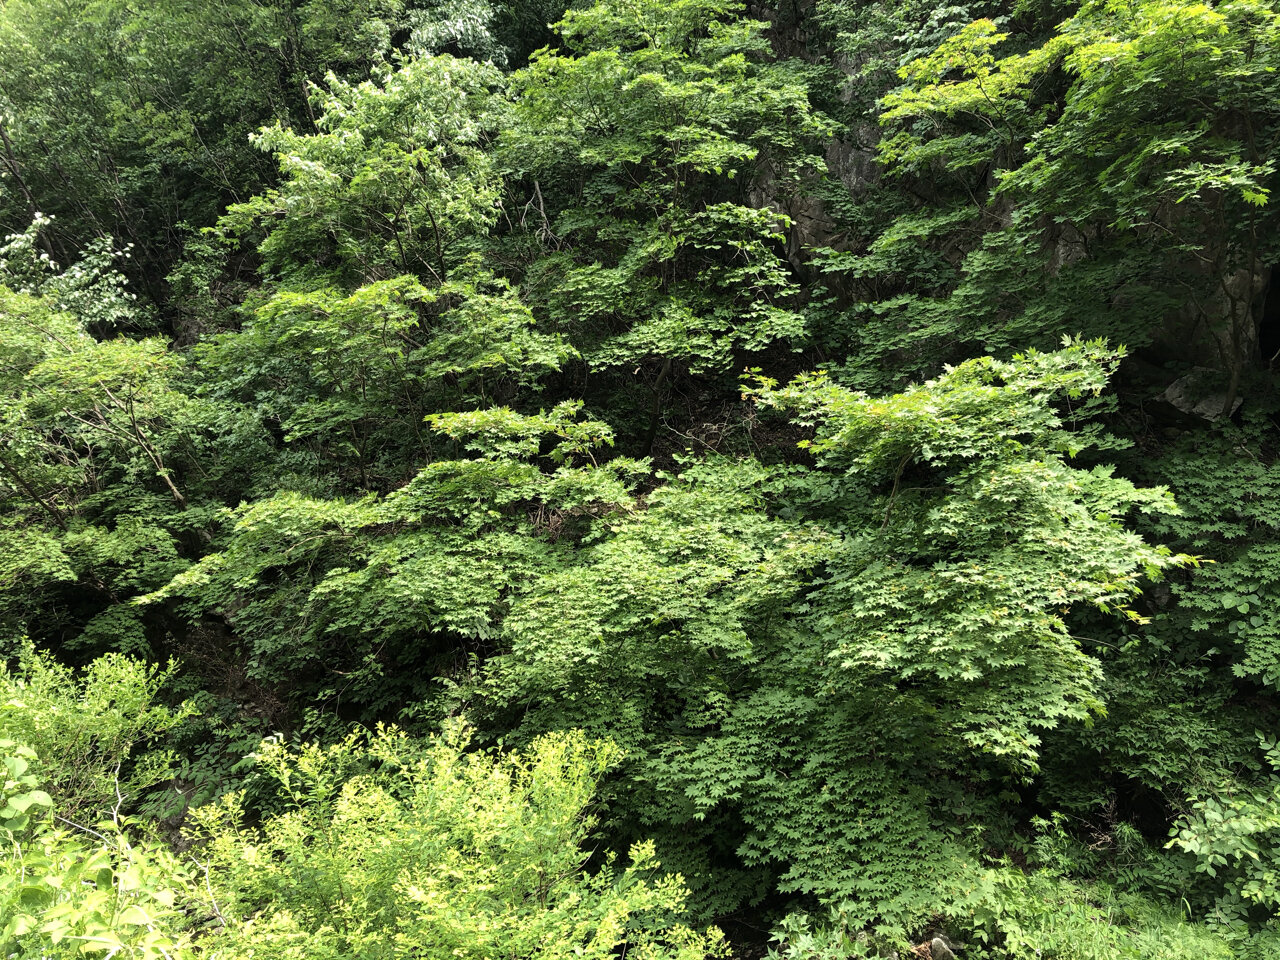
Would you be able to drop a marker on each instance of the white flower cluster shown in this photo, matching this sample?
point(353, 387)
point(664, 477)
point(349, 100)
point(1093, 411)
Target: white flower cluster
point(92, 288)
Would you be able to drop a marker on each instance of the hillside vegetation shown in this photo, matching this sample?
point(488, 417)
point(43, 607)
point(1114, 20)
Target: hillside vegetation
point(673, 479)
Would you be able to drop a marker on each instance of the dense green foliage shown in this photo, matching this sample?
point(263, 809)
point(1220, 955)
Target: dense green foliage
point(540, 480)
point(372, 847)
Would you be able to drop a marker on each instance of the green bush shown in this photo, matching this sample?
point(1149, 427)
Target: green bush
point(1007, 914)
point(387, 846)
point(87, 728)
point(379, 846)
point(87, 891)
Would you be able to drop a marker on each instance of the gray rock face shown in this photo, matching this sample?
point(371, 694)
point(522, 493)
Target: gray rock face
point(1192, 395)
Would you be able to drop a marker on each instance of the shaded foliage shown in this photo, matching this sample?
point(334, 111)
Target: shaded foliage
point(827, 449)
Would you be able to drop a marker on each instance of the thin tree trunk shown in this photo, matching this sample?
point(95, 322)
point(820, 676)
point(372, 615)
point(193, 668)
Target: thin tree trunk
point(655, 409)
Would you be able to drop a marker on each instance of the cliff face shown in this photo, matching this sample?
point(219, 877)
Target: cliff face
point(1176, 267)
